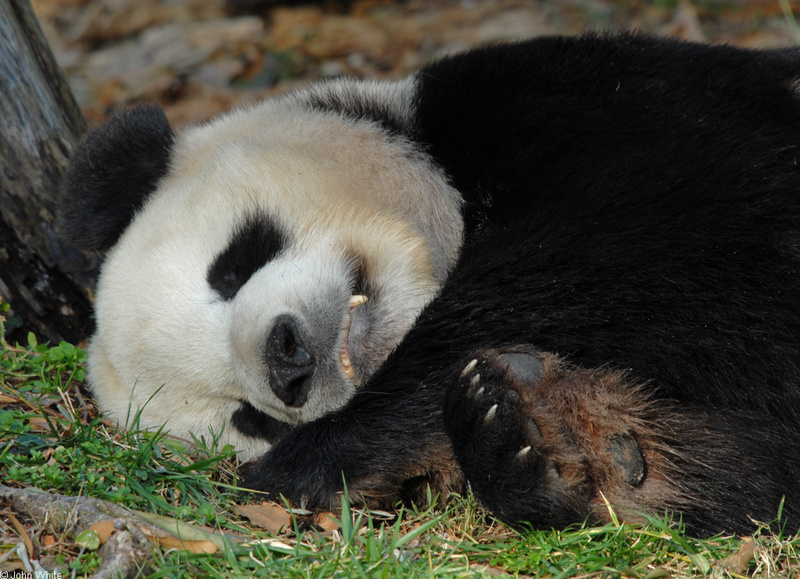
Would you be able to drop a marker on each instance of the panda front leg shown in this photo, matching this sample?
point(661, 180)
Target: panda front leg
point(387, 444)
point(549, 444)
point(541, 442)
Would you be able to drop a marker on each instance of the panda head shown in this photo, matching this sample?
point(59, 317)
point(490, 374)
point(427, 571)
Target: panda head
point(260, 267)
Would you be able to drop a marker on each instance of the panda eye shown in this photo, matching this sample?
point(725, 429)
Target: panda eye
point(253, 244)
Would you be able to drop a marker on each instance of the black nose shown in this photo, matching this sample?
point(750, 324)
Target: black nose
point(291, 365)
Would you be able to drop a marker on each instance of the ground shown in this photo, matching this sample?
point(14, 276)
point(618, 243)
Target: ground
point(200, 57)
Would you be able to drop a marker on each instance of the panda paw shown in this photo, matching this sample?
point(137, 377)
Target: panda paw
point(541, 441)
point(484, 411)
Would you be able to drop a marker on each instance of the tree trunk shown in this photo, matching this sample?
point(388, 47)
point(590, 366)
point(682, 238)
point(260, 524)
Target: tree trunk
point(47, 282)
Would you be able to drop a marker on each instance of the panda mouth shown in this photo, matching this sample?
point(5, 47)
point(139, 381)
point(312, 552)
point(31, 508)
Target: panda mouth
point(353, 305)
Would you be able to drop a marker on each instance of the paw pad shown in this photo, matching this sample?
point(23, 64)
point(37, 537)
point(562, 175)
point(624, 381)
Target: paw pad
point(627, 454)
point(521, 367)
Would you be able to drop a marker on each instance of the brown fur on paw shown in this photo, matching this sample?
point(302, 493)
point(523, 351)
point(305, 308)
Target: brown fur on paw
point(585, 436)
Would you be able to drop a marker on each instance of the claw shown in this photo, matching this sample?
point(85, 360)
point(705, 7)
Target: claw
point(469, 368)
point(523, 453)
point(473, 386)
point(489, 418)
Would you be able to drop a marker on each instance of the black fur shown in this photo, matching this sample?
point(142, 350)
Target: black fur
point(256, 242)
point(632, 204)
point(112, 172)
point(252, 422)
point(352, 104)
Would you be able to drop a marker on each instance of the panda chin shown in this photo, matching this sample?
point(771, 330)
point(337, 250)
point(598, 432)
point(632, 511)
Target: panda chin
point(356, 325)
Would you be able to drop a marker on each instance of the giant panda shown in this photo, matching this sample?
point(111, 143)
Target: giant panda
point(563, 272)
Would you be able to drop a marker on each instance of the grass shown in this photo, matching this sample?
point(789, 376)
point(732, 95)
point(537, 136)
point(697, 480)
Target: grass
point(52, 438)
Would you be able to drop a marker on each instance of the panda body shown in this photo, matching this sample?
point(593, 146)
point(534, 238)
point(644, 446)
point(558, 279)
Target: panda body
point(564, 270)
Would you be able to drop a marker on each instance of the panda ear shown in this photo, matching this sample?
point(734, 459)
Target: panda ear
point(112, 172)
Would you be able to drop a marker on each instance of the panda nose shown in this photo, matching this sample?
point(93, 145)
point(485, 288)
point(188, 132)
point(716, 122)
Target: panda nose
point(291, 365)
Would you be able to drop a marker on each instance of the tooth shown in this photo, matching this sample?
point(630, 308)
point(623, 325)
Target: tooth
point(347, 366)
point(357, 300)
point(344, 357)
point(350, 373)
point(469, 368)
point(523, 453)
point(489, 418)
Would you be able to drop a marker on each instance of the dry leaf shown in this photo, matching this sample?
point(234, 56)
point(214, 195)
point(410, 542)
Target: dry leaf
point(191, 546)
point(739, 562)
point(39, 424)
point(24, 535)
point(48, 540)
point(154, 533)
point(6, 399)
point(103, 529)
point(267, 516)
point(326, 521)
point(164, 539)
point(11, 566)
point(172, 533)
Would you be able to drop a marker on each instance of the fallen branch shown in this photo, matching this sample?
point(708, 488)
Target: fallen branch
point(127, 550)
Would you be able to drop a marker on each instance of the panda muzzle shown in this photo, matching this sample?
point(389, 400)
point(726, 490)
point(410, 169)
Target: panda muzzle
point(291, 365)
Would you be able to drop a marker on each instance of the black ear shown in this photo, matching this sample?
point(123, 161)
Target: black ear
point(112, 172)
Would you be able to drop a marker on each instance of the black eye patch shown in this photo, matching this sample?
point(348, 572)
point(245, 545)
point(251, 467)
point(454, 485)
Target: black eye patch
point(257, 241)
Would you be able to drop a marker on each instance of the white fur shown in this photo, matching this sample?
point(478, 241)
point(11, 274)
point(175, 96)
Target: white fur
point(168, 345)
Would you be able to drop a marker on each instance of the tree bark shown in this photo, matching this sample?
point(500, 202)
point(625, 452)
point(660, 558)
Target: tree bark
point(47, 282)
